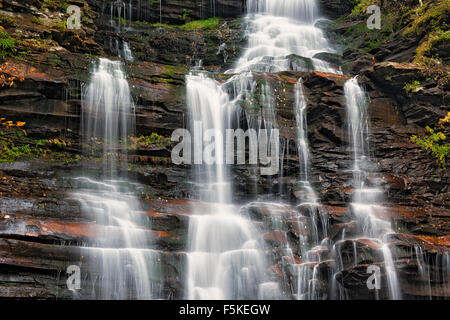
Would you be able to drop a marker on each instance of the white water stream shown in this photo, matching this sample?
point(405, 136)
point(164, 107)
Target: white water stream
point(121, 256)
point(226, 258)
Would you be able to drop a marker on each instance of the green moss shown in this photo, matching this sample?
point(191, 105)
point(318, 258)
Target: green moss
point(435, 143)
point(430, 17)
point(410, 87)
point(163, 25)
point(7, 45)
point(16, 146)
point(209, 24)
point(360, 7)
point(154, 140)
point(36, 20)
point(7, 22)
point(60, 5)
point(173, 71)
point(60, 25)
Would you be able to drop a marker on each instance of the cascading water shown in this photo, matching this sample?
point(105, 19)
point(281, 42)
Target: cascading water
point(365, 200)
point(120, 13)
point(226, 259)
point(282, 36)
point(302, 143)
point(119, 257)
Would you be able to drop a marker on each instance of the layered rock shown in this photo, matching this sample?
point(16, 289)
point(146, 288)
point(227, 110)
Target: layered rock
point(42, 227)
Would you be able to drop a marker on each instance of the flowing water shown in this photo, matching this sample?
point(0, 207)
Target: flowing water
point(226, 254)
point(121, 258)
point(300, 106)
point(281, 36)
point(365, 199)
point(227, 258)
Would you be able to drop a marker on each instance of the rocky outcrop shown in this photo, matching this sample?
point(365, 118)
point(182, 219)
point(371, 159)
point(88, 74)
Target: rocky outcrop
point(42, 228)
point(335, 8)
point(172, 11)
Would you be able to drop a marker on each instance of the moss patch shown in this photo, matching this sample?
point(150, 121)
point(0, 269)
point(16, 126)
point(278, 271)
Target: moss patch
point(208, 24)
point(431, 16)
point(7, 45)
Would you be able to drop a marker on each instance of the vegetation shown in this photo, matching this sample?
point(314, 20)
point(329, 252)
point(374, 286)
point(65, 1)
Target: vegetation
point(7, 22)
point(208, 24)
point(426, 20)
point(9, 74)
point(434, 142)
point(60, 5)
point(361, 6)
point(15, 145)
point(154, 139)
point(430, 24)
point(431, 16)
point(7, 45)
point(411, 87)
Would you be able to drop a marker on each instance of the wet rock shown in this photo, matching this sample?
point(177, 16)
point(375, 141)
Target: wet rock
point(359, 251)
point(335, 8)
point(331, 58)
point(395, 75)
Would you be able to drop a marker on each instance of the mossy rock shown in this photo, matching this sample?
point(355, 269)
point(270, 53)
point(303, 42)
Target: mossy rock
point(300, 63)
point(331, 58)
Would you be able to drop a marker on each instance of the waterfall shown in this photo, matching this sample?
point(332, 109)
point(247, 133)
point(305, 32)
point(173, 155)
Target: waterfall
point(226, 256)
point(108, 108)
point(302, 143)
point(127, 53)
point(225, 259)
point(301, 10)
point(280, 29)
point(365, 199)
point(119, 257)
point(116, 8)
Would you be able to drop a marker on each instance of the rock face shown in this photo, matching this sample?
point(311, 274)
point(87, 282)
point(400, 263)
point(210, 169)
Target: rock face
point(42, 227)
point(172, 11)
point(335, 8)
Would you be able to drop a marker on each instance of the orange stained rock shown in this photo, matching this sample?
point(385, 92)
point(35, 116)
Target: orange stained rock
point(277, 270)
point(331, 76)
point(438, 241)
point(370, 243)
point(27, 71)
point(74, 228)
point(276, 236)
point(165, 234)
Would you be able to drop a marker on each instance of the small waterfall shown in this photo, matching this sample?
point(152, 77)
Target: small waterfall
point(120, 13)
point(365, 199)
point(302, 144)
point(225, 259)
point(119, 257)
point(108, 110)
point(303, 10)
point(127, 53)
point(280, 29)
point(358, 129)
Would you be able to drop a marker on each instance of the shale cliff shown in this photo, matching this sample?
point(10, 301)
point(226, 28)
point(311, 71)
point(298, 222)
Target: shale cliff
point(44, 66)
